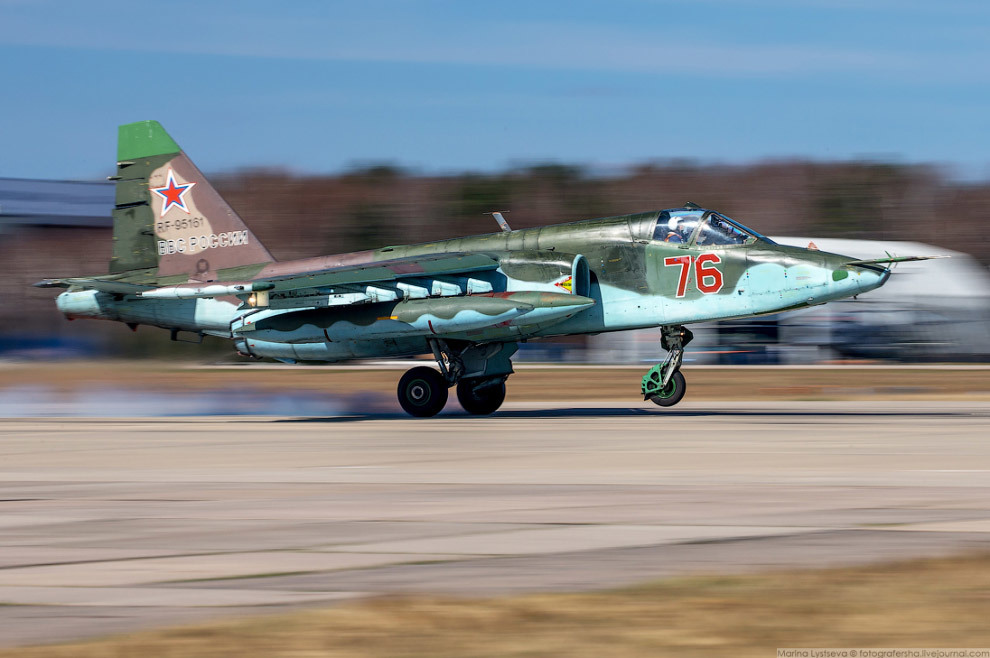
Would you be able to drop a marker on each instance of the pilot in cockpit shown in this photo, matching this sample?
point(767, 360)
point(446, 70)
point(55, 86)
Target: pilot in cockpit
point(675, 231)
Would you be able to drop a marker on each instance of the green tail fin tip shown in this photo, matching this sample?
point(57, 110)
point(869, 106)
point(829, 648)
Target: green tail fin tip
point(143, 139)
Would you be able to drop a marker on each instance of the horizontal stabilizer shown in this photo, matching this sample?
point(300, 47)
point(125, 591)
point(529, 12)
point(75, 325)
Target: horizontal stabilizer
point(102, 285)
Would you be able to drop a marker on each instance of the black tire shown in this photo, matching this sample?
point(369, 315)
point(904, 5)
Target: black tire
point(422, 392)
point(481, 401)
point(673, 393)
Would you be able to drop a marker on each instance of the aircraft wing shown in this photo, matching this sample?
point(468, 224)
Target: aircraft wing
point(438, 273)
point(385, 271)
point(428, 267)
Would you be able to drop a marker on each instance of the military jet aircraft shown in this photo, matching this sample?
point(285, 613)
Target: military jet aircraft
point(183, 260)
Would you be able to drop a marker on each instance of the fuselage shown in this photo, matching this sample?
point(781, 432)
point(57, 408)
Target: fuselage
point(635, 274)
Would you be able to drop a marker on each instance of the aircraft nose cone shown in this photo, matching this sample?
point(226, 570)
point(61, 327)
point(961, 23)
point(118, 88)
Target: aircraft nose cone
point(869, 278)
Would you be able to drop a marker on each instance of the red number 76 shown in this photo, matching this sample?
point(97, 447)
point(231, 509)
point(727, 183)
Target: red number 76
point(709, 277)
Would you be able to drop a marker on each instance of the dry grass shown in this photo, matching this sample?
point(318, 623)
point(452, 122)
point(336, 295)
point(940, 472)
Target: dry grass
point(930, 603)
point(529, 383)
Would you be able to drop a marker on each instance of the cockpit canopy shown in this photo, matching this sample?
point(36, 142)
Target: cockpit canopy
point(701, 227)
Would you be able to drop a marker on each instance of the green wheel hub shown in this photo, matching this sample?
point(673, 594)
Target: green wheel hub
point(652, 380)
point(664, 396)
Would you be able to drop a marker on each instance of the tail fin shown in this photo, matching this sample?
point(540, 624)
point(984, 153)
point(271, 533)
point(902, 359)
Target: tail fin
point(167, 215)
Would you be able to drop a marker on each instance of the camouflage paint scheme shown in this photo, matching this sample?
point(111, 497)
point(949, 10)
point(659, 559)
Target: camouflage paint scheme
point(183, 260)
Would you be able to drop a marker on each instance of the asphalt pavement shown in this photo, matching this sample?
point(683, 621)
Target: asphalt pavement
point(110, 525)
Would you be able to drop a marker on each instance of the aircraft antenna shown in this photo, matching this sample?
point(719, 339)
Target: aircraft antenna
point(502, 224)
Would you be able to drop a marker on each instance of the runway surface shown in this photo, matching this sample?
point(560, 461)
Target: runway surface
point(114, 525)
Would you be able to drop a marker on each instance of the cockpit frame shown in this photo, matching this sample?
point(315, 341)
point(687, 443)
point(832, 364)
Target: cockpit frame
point(702, 228)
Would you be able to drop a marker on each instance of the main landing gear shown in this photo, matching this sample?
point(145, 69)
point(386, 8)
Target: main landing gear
point(481, 396)
point(663, 383)
point(422, 392)
point(478, 371)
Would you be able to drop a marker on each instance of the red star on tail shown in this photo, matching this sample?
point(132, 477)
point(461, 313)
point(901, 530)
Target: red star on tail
point(173, 194)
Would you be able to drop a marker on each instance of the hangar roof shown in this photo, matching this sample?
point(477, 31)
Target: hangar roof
point(55, 203)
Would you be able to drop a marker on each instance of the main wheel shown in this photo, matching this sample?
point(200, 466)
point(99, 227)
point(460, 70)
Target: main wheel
point(672, 393)
point(422, 392)
point(483, 400)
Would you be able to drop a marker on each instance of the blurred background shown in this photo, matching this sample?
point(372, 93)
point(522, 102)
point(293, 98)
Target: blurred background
point(332, 127)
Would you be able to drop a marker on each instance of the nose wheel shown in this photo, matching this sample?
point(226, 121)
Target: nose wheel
point(664, 384)
point(669, 395)
point(422, 392)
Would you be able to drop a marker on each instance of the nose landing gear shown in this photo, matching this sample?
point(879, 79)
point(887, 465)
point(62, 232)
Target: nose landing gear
point(664, 384)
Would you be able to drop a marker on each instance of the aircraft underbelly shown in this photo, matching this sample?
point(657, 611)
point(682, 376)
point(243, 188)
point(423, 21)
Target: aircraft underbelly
point(327, 351)
point(713, 307)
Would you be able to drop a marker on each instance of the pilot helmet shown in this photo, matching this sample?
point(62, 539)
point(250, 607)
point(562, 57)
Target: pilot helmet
point(672, 224)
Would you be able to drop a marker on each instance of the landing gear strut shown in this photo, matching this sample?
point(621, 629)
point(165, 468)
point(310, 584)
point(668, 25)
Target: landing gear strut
point(478, 371)
point(663, 383)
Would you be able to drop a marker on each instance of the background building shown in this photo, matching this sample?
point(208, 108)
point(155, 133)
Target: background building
point(48, 228)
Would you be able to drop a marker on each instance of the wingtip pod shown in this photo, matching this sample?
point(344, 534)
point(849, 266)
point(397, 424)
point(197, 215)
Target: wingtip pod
point(143, 139)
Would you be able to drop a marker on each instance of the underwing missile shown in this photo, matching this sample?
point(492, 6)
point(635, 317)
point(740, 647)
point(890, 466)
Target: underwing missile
point(214, 290)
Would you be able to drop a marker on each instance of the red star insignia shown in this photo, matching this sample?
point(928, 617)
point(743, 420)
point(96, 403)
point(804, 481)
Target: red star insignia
point(173, 194)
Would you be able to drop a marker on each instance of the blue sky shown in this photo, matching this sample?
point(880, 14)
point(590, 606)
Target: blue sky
point(448, 86)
